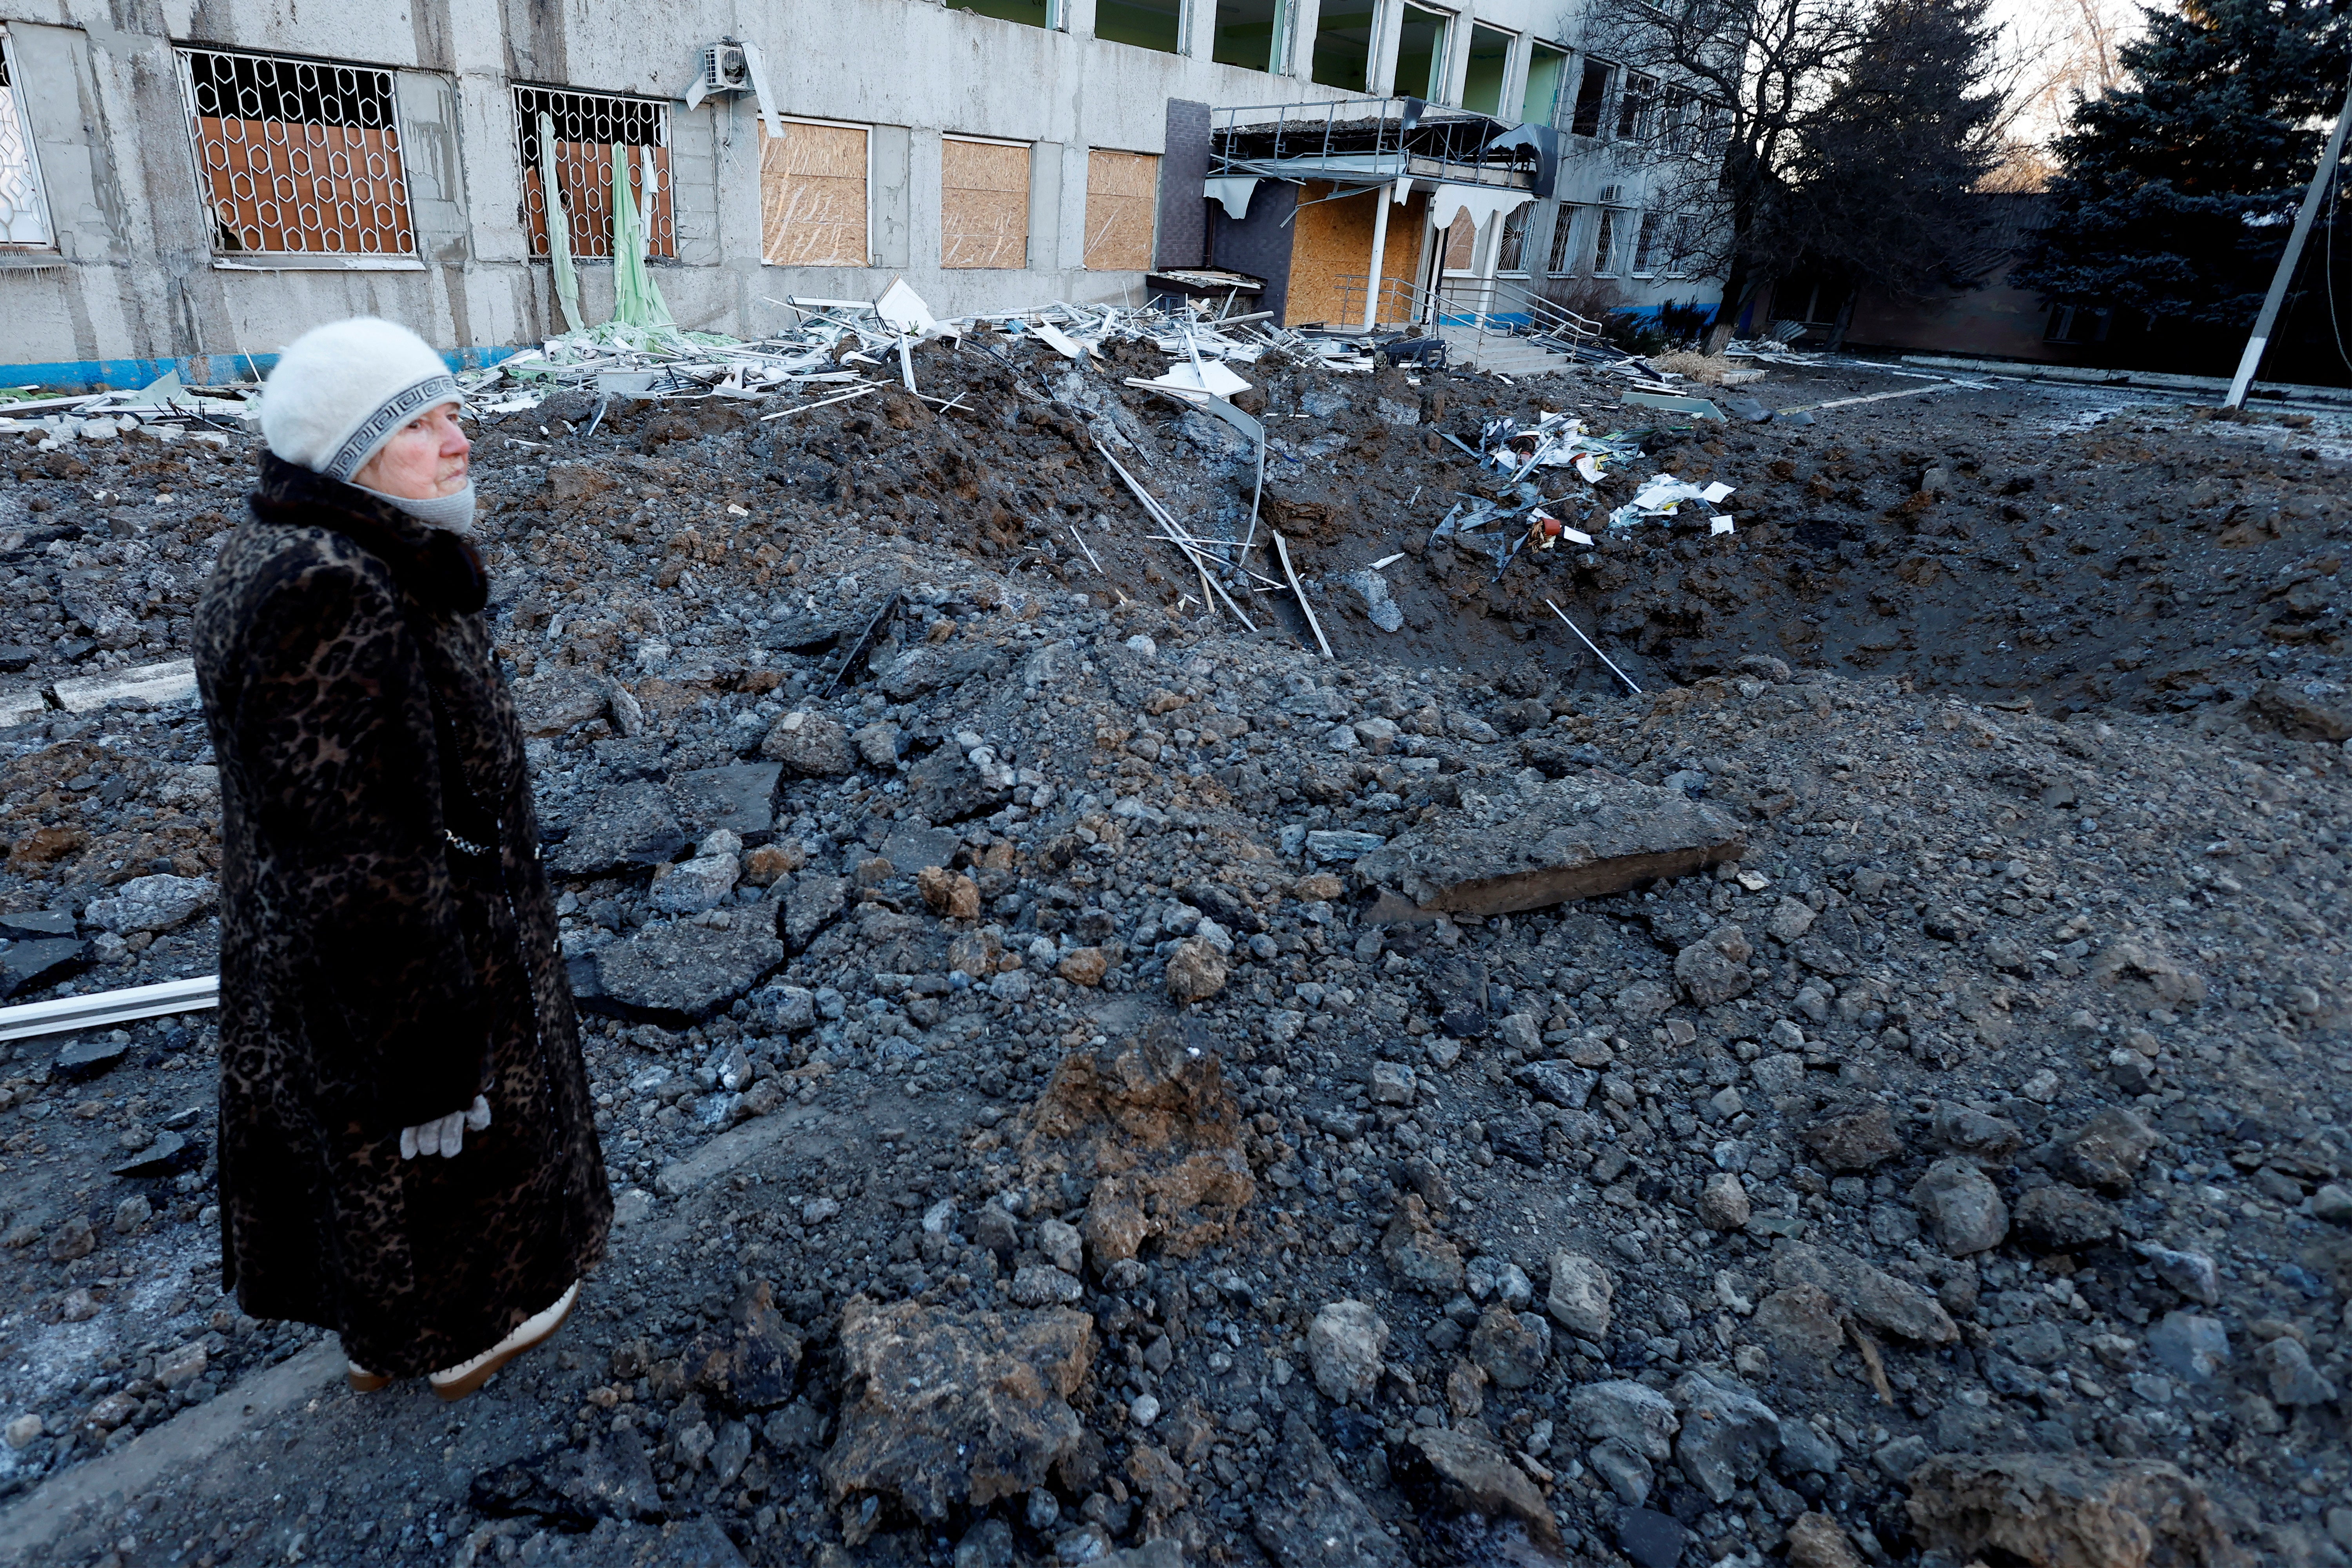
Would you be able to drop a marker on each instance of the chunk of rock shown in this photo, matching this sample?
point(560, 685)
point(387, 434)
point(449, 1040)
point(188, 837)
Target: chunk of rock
point(1419, 1257)
point(2191, 1273)
point(1156, 1128)
point(2066, 1510)
point(1713, 968)
point(1467, 1471)
point(1963, 1207)
point(812, 900)
point(626, 827)
point(945, 787)
point(1579, 838)
point(1801, 1322)
point(1727, 1434)
point(943, 1410)
point(1560, 1083)
point(752, 1361)
point(2109, 1152)
point(1510, 1347)
point(2146, 978)
point(43, 961)
point(571, 1488)
point(2190, 1346)
point(156, 904)
point(680, 974)
point(1581, 1292)
point(1306, 1515)
point(2057, 1218)
point(1723, 1203)
point(1816, 1541)
point(1855, 1135)
point(1984, 1139)
point(2288, 1374)
point(1624, 1412)
point(810, 745)
point(1196, 972)
point(1344, 1345)
point(738, 798)
point(1869, 1293)
point(690, 887)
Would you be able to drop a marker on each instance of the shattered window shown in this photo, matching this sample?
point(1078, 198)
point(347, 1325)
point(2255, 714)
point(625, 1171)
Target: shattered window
point(24, 212)
point(1343, 44)
point(1252, 33)
point(812, 196)
point(1122, 199)
point(1563, 233)
point(1490, 62)
point(1604, 244)
point(1420, 53)
point(1146, 23)
point(1683, 249)
point(1547, 70)
point(587, 131)
point(1512, 257)
point(296, 157)
point(1591, 98)
point(983, 203)
point(1646, 245)
point(1636, 108)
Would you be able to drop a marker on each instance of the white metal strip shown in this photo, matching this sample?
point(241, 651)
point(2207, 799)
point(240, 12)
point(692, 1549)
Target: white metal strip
point(100, 1009)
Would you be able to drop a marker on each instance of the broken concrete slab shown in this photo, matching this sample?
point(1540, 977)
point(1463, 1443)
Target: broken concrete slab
point(680, 974)
point(1545, 842)
point(943, 1410)
point(944, 787)
point(2066, 1508)
point(29, 965)
point(22, 707)
point(739, 797)
point(1309, 1517)
point(154, 684)
point(1471, 1473)
point(630, 826)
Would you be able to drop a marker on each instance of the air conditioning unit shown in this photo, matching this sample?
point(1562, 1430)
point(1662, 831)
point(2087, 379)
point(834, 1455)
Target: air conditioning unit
point(1613, 195)
point(724, 68)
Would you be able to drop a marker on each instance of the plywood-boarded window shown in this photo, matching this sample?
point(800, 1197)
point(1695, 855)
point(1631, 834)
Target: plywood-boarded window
point(983, 204)
point(812, 196)
point(588, 128)
point(1122, 194)
point(298, 157)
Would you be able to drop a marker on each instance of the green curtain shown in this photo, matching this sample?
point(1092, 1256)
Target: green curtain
point(636, 300)
point(559, 228)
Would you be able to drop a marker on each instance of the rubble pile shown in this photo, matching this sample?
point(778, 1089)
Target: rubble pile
point(1085, 1082)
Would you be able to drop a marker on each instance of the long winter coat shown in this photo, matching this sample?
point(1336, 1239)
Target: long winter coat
point(388, 945)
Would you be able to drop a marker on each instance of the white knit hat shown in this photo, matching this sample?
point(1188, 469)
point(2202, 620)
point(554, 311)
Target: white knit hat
point(337, 396)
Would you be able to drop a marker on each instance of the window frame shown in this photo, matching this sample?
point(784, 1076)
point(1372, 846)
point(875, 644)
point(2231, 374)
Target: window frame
point(1086, 242)
point(1522, 215)
point(1559, 84)
point(1028, 194)
point(661, 224)
point(1644, 262)
point(12, 96)
point(1637, 107)
point(1278, 46)
point(411, 260)
point(1560, 257)
point(868, 132)
point(1604, 242)
point(1441, 60)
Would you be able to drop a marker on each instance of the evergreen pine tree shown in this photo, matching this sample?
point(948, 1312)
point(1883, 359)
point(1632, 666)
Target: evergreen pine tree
point(2176, 194)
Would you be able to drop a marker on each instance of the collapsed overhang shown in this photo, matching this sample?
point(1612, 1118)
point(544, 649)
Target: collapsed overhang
point(1473, 161)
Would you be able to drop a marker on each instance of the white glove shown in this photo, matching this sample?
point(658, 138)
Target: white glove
point(444, 1136)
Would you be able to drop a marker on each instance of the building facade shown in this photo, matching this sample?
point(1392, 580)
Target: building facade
point(182, 180)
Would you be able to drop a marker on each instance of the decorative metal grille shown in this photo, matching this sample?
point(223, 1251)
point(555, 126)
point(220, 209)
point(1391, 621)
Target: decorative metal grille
point(296, 157)
point(1646, 245)
point(1563, 227)
point(1512, 257)
point(24, 213)
point(588, 126)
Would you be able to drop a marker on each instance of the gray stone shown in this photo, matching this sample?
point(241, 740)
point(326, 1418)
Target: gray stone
point(89, 1056)
point(1306, 1515)
point(1511, 1347)
point(1985, 1138)
point(812, 901)
point(1713, 970)
point(1726, 1435)
point(1628, 1474)
point(1641, 1418)
point(1561, 1083)
point(1392, 1083)
point(170, 1152)
point(911, 846)
point(1963, 1205)
point(154, 903)
point(2191, 1273)
point(691, 887)
point(1790, 919)
point(2189, 1346)
point(1042, 1285)
point(1581, 1295)
point(1344, 1345)
point(2293, 1379)
point(2036, 1344)
point(1469, 1471)
point(809, 745)
point(30, 965)
point(1649, 1539)
point(740, 798)
point(2057, 1218)
point(2333, 1203)
point(880, 744)
point(944, 787)
point(682, 973)
point(550, 704)
point(1901, 1459)
point(1804, 1451)
point(1783, 1072)
point(1333, 846)
point(1723, 1203)
point(1580, 837)
point(36, 924)
point(2109, 1152)
point(628, 827)
point(1871, 1294)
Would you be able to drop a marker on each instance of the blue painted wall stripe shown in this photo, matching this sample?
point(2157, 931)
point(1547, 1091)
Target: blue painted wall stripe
point(195, 369)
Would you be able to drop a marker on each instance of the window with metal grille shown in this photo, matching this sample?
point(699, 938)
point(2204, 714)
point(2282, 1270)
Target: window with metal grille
point(586, 130)
point(298, 157)
point(1646, 245)
point(1563, 231)
point(1513, 256)
point(23, 211)
point(1604, 244)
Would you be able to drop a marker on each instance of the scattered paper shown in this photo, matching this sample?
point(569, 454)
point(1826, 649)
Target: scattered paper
point(1715, 526)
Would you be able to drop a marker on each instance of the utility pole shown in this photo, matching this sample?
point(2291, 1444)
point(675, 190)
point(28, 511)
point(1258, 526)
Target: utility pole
point(2251, 361)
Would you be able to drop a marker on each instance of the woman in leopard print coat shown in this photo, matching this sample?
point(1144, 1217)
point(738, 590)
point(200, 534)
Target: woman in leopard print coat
point(388, 942)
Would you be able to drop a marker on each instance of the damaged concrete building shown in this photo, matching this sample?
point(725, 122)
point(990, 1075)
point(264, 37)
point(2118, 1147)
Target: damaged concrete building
point(199, 185)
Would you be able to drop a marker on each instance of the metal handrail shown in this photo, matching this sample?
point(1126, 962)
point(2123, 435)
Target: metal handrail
point(1483, 307)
